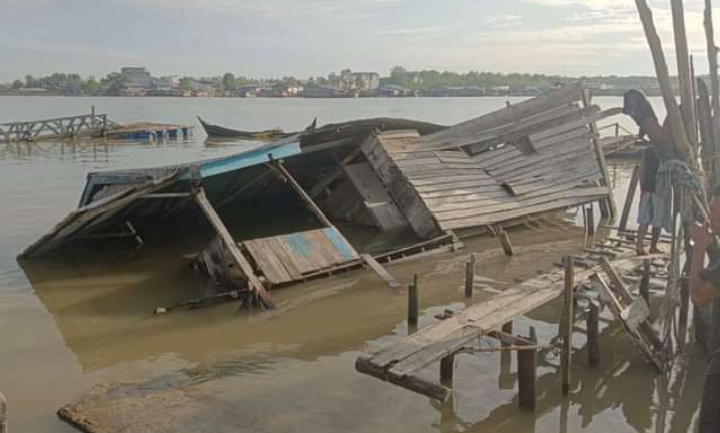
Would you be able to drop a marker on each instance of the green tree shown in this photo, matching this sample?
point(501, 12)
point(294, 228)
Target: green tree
point(17, 85)
point(228, 81)
point(113, 84)
point(185, 84)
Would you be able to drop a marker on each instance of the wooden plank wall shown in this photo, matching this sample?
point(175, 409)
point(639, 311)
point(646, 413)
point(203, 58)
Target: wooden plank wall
point(287, 258)
point(407, 198)
point(556, 169)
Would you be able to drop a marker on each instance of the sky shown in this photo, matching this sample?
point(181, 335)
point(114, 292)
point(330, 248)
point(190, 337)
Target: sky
point(303, 38)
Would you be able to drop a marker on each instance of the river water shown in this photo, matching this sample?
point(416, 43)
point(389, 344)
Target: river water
point(70, 324)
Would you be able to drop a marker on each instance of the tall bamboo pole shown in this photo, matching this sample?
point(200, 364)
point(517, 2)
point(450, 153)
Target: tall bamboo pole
point(682, 144)
point(712, 52)
point(684, 72)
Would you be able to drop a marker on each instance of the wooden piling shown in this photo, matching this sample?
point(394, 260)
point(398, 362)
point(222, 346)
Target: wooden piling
point(469, 276)
point(567, 323)
point(684, 311)
point(645, 282)
point(507, 329)
point(447, 365)
point(3, 414)
point(632, 189)
point(593, 331)
point(687, 98)
point(505, 242)
point(590, 220)
point(413, 305)
point(526, 360)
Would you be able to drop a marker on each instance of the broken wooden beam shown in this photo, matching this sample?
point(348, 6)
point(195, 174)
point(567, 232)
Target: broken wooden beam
point(447, 366)
point(505, 242)
point(280, 168)
point(632, 190)
point(381, 271)
point(232, 247)
point(526, 365)
point(412, 383)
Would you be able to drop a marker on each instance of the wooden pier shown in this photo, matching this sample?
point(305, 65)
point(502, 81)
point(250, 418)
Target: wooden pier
point(55, 129)
point(86, 126)
point(598, 282)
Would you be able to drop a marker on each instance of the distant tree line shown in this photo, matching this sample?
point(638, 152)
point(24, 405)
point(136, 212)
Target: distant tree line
point(114, 83)
point(426, 80)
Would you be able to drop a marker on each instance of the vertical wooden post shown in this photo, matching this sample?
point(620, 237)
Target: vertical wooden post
point(684, 310)
point(590, 220)
point(568, 323)
point(593, 332)
point(526, 378)
point(505, 242)
point(92, 120)
point(413, 305)
point(712, 52)
point(507, 329)
point(447, 365)
point(684, 71)
point(632, 189)
point(674, 116)
point(645, 282)
point(470, 276)
point(607, 206)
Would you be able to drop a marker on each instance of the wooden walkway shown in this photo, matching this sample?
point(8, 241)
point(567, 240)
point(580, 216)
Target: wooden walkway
point(56, 128)
point(401, 363)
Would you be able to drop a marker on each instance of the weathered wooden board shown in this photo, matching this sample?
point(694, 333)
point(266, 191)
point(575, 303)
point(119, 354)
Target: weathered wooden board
point(287, 258)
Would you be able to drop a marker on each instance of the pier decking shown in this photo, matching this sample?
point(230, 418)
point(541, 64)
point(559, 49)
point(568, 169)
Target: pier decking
point(401, 363)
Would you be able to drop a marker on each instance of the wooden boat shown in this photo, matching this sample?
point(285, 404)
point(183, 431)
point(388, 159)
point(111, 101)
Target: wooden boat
point(221, 131)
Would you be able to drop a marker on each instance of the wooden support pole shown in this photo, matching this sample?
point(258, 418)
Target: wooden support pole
point(607, 206)
point(674, 116)
point(413, 304)
point(687, 98)
point(3, 414)
point(592, 323)
point(712, 52)
point(568, 323)
point(632, 189)
point(306, 198)
point(590, 220)
point(526, 360)
point(469, 276)
point(505, 242)
point(684, 311)
point(645, 282)
point(447, 365)
point(232, 247)
point(507, 329)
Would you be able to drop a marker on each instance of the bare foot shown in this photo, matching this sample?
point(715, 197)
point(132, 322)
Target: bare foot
point(641, 251)
point(655, 250)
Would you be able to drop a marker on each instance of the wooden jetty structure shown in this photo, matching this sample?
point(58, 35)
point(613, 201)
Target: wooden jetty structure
point(586, 284)
point(438, 183)
point(88, 126)
point(56, 128)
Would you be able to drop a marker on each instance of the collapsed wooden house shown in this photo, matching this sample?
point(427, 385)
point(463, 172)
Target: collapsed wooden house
point(536, 156)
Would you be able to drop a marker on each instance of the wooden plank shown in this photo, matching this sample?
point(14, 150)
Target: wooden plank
point(607, 207)
point(568, 323)
point(632, 189)
point(268, 262)
point(306, 198)
point(381, 271)
point(232, 247)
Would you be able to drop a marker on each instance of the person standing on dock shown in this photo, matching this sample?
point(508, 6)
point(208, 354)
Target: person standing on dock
point(705, 291)
point(653, 208)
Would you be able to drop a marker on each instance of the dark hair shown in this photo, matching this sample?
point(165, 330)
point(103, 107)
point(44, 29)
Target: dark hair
point(716, 191)
point(635, 104)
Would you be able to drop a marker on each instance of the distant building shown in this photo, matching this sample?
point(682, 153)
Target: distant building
point(320, 91)
point(355, 82)
point(138, 77)
point(393, 91)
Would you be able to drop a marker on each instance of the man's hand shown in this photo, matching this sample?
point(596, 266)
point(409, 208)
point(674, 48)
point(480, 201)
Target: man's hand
point(702, 236)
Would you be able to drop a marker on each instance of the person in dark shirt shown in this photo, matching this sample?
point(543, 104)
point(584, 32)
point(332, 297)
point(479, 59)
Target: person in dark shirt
point(652, 206)
point(705, 291)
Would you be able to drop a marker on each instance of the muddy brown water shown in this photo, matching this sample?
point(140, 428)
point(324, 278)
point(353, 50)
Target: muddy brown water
point(84, 319)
